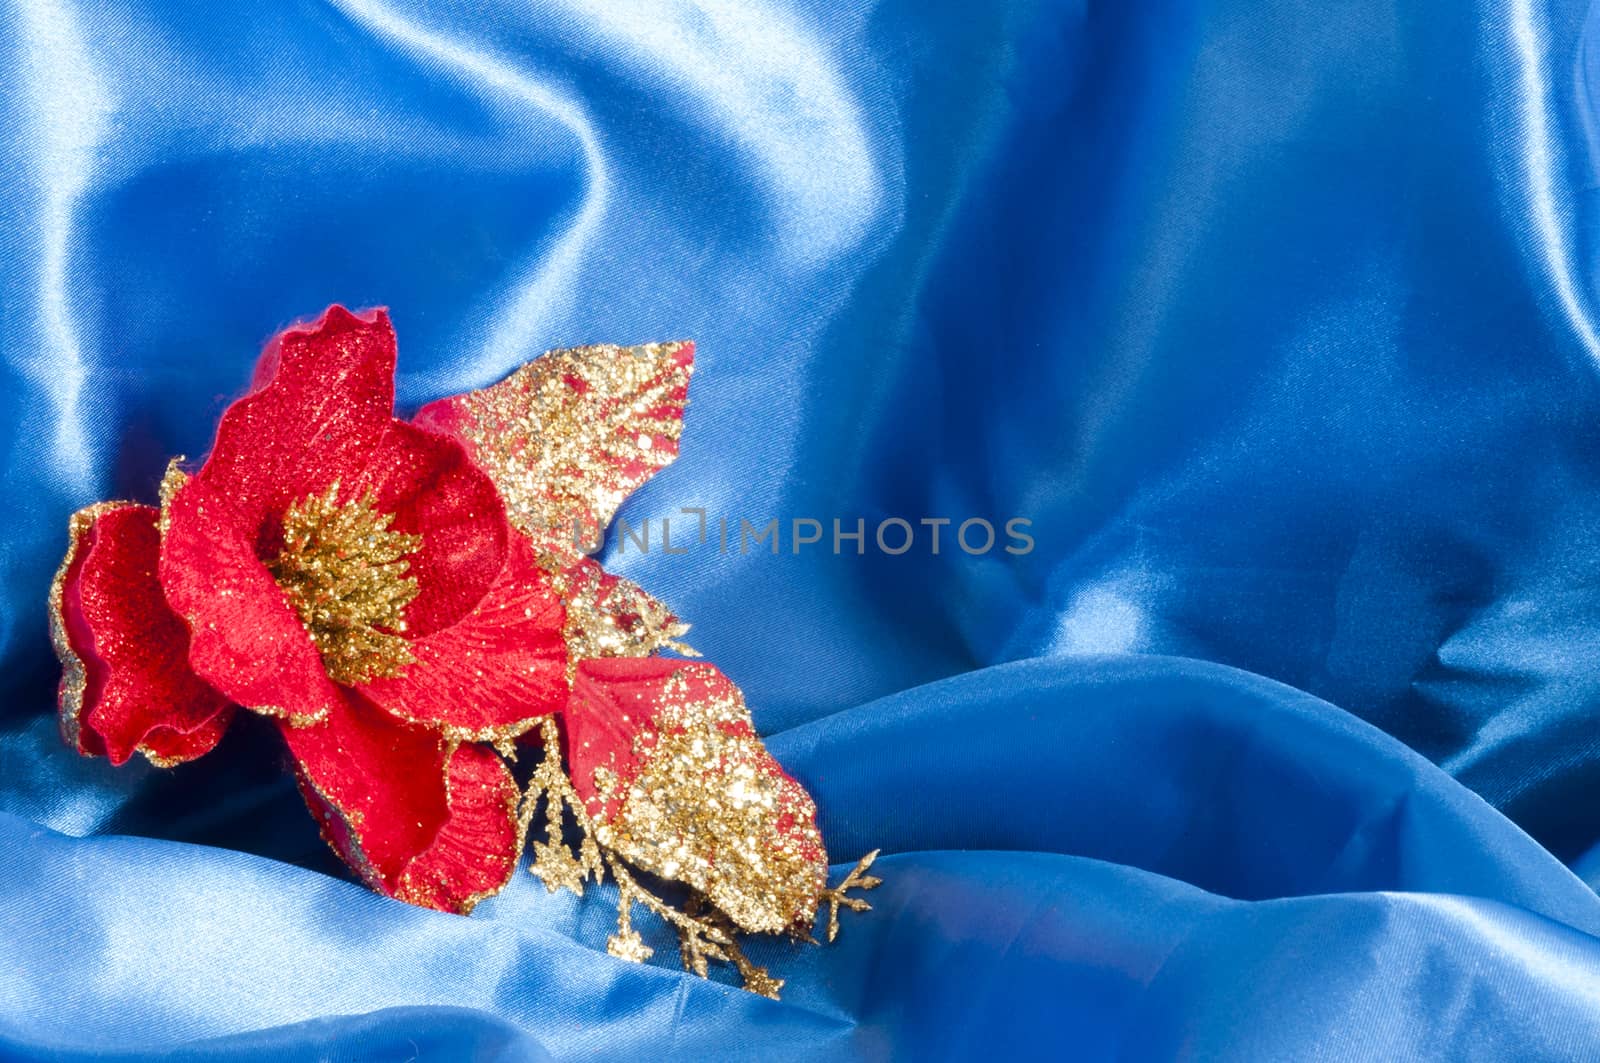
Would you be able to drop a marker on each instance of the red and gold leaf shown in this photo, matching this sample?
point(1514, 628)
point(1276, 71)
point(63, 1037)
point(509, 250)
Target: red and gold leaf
point(678, 783)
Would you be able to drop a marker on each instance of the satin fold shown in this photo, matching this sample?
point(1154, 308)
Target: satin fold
point(1276, 322)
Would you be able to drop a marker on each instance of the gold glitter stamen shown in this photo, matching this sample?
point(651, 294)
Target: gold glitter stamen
point(344, 570)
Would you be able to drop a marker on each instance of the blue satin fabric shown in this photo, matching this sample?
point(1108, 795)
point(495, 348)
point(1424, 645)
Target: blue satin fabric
point(1278, 321)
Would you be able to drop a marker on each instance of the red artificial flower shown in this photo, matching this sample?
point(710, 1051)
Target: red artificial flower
point(407, 600)
point(354, 577)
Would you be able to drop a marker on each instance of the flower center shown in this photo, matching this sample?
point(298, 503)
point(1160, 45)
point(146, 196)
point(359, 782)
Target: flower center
point(344, 570)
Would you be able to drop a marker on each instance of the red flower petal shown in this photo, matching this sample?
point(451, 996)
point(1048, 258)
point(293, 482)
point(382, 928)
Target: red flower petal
point(321, 413)
point(322, 401)
point(245, 638)
point(430, 486)
point(477, 849)
point(672, 772)
point(567, 437)
point(489, 677)
point(420, 819)
point(127, 685)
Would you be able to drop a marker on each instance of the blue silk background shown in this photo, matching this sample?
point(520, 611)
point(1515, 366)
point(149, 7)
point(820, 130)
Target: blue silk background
point(1278, 319)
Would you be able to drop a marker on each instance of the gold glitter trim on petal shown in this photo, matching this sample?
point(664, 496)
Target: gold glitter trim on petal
point(357, 857)
point(567, 437)
point(74, 673)
point(705, 808)
point(292, 719)
point(344, 570)
point(503, 737)
point(157, 759)
point(172, 481)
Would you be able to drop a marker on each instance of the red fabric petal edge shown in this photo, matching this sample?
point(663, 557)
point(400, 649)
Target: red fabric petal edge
point(126, 683)
point(477, 850)
point(321, 404)
point(321, 400)
point(419, 819)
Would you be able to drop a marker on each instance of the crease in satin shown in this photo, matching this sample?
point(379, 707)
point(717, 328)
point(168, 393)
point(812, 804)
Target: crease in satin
point(546, 280)
point(760, 71)
point(72, 107)
point(1543, 156)
point(1276, 321)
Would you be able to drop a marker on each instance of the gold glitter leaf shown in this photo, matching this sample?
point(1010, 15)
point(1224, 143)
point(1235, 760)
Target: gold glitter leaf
point(704, 934)
point(344, 570)
point(570, 435)
point(705, 809)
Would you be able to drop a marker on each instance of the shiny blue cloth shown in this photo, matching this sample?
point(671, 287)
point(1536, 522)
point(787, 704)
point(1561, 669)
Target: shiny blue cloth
point(1277, 320)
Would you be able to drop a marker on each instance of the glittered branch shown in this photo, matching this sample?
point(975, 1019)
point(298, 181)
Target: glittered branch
point(836, 896)
point(704, 932)
point(555, 864)
point(756, 978)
